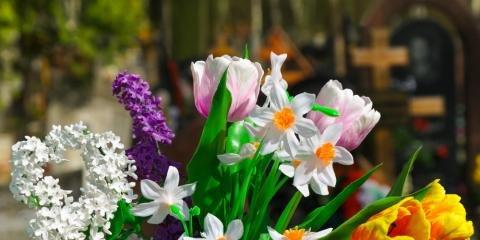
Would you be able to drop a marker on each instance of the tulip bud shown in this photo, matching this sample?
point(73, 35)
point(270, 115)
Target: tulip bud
point(356, 114)
point(243, 82)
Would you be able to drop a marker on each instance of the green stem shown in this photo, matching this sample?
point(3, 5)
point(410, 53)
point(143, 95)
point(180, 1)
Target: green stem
point(287, 214)
point(320, 108)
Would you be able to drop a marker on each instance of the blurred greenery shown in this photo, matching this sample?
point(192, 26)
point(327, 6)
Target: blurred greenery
point(50, 47)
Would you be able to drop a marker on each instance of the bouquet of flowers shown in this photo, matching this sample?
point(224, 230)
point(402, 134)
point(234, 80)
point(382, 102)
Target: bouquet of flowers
point(247, 152)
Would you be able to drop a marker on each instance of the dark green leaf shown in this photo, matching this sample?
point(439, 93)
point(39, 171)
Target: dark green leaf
point(203, 167)
point(319, 216)
point(398, 186)
point(246, 52)
point(344, 231)
point(121, 217)
point(288, 212)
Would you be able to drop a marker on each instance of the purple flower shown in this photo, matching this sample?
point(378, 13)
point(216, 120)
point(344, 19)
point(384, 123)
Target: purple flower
point(149, 128)
point(150, 163)
point(145, 109)
point(170, 229)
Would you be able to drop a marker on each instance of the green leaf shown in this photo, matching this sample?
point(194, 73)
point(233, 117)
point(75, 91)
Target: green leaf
point(331, 112)
point(203, 168)
point(236, 137)
point(398, 186)
point(121, 217)
point(319, 216)
point(246, 52)
point(288, 212)
point(344, 231)
point(325, 110)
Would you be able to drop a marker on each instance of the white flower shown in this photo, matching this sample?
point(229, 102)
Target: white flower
point(58, 216)
point(318, 156)
point(275, 76)
point(163, 198)
point(282, 119)
point(297, 234)
point(288, 168)
point(214, 229)
point(247, 151)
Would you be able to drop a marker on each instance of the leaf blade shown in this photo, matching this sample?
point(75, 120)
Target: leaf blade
point(398, 186)
point(319, 216)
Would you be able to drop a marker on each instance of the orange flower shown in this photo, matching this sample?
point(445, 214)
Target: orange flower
point(437, 216)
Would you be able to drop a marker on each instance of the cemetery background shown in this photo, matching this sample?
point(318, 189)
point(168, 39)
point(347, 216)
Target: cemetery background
point(416, 59)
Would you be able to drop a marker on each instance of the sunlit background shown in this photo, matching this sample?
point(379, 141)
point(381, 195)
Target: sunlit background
point(417, 60)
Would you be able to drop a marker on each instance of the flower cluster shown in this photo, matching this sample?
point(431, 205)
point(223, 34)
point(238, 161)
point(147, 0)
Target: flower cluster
point(149, 125)
point(59, 217)
point(149, 128)
point(148, 120)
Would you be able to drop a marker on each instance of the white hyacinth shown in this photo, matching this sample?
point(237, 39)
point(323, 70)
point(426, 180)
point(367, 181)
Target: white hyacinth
point(58, 216)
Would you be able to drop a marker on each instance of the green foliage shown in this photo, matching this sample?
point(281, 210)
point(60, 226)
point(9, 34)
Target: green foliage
point(287, 214)
point(345, 229)
point(399, 185)
point(203, 168)
point(319, 216)
point(122, 218)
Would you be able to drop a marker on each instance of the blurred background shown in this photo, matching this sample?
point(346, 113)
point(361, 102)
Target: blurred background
point(416, 59)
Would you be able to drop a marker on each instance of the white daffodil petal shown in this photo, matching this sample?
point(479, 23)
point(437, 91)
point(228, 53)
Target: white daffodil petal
point(303, 189)
point(158, 216)
point(229, 158)
point(261, 116)
point(317, 235)
point(305, 127)
point(343, 156)
point(145, 209)
point(328, 176)
point(292, 143)
point(185, 190)
point(318, 186)
point(185, 210)
point(172, 179)
point(150, 189)
point(213, 226)
point(271, 141)
point(287, 169)
point(274, 234)
point(278, 97)
point(332, 133)
point(303, 174)
point(302, 103)
point(234, 230)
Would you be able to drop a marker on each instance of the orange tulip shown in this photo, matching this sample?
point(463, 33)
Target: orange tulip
point(437, 216)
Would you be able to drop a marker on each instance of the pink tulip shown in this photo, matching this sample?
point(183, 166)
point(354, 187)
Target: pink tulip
point(356, 114)
point(243, 82)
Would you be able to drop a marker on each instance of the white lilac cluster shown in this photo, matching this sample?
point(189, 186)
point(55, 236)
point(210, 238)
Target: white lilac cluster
point(58, 216)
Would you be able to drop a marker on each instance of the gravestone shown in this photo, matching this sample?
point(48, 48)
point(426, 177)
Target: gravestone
point(430, 76)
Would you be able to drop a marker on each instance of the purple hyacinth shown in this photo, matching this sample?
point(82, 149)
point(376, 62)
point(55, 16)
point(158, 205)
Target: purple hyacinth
point(145, 109)
point(170, 229)
point(149, 128)
point(150, 164)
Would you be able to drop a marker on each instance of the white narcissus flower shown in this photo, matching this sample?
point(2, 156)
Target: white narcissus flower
point(214, 229)
point(288, 168)
point(282, 119)
point(243, 82)
point(297, 234)
point(275, 74)
point(356, 114)
point(163, 198)
point(246, 151)
point(317, 158)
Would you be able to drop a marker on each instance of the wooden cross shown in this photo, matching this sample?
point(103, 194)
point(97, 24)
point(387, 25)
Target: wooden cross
point(380, 58)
